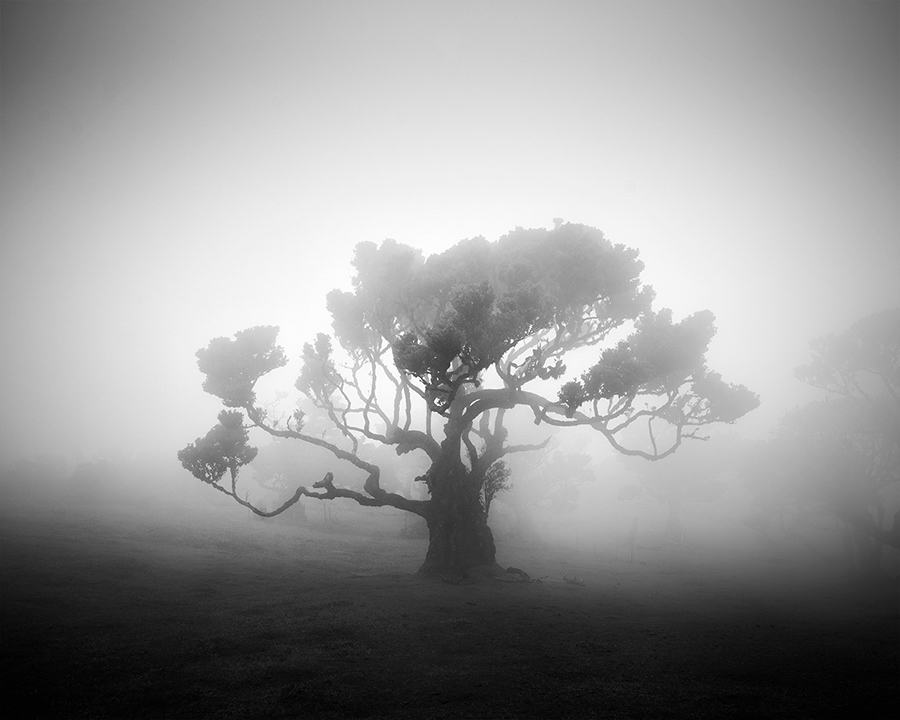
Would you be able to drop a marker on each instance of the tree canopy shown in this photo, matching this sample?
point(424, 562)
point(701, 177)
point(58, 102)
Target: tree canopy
point(429, 354)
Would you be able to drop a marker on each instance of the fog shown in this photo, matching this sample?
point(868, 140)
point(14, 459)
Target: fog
point(172, 172)
point(176, 172)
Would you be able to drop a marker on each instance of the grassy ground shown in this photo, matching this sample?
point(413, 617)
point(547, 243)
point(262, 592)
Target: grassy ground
point(123, 615)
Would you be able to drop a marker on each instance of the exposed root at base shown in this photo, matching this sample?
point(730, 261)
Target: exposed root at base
point(479, 573)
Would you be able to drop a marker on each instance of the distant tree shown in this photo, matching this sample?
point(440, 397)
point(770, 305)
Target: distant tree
point(549, 480)
point(94, 478)
point(769, 472)
point(815, 463)
point(693, 474)
point(434, 352)
point(841, 455)
point(277, 466)
point(861, 367)
point(861, 364)
point(35, 475)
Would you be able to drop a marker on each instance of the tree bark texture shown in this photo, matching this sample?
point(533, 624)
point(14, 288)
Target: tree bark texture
point(459, 536)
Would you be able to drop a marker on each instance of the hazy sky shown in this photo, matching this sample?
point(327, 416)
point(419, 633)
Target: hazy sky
point(172, 172)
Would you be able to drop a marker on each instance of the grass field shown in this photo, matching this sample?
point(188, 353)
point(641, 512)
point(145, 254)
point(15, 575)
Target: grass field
point(123, 613)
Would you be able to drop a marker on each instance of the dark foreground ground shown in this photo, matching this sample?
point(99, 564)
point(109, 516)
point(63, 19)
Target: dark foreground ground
point(120, 616)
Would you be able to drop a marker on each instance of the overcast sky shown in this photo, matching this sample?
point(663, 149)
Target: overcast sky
point(176, 172)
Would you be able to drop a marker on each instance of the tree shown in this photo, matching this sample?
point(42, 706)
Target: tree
point(93, 479)
point(851, 442)
point(548, 481)
point(433, 353)
point(692, 474)
point(274, 469)
point(224, 449)
point(861, 364)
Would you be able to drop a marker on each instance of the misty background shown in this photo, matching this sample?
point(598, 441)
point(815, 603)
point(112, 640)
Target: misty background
point(174, 172)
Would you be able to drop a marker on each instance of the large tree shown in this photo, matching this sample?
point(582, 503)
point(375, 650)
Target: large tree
point(429, 356)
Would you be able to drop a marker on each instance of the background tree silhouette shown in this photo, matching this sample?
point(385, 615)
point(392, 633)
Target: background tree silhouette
point(434, 353)
point(693, 474)
point(551, 481)
point(852, 440)
point(839, 456)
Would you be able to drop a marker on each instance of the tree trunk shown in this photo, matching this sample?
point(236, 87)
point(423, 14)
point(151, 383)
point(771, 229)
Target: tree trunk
point(460, 539)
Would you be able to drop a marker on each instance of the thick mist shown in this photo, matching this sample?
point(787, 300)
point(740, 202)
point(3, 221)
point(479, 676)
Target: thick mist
point(157, 194)
point(175, 172)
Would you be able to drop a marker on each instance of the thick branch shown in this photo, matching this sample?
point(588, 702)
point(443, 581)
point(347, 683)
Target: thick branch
point(471, 449)
point(483, 400)
point(280, 509)
point(408, 440)
point(330, 492)
point(378, 496)
point(496, 451)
